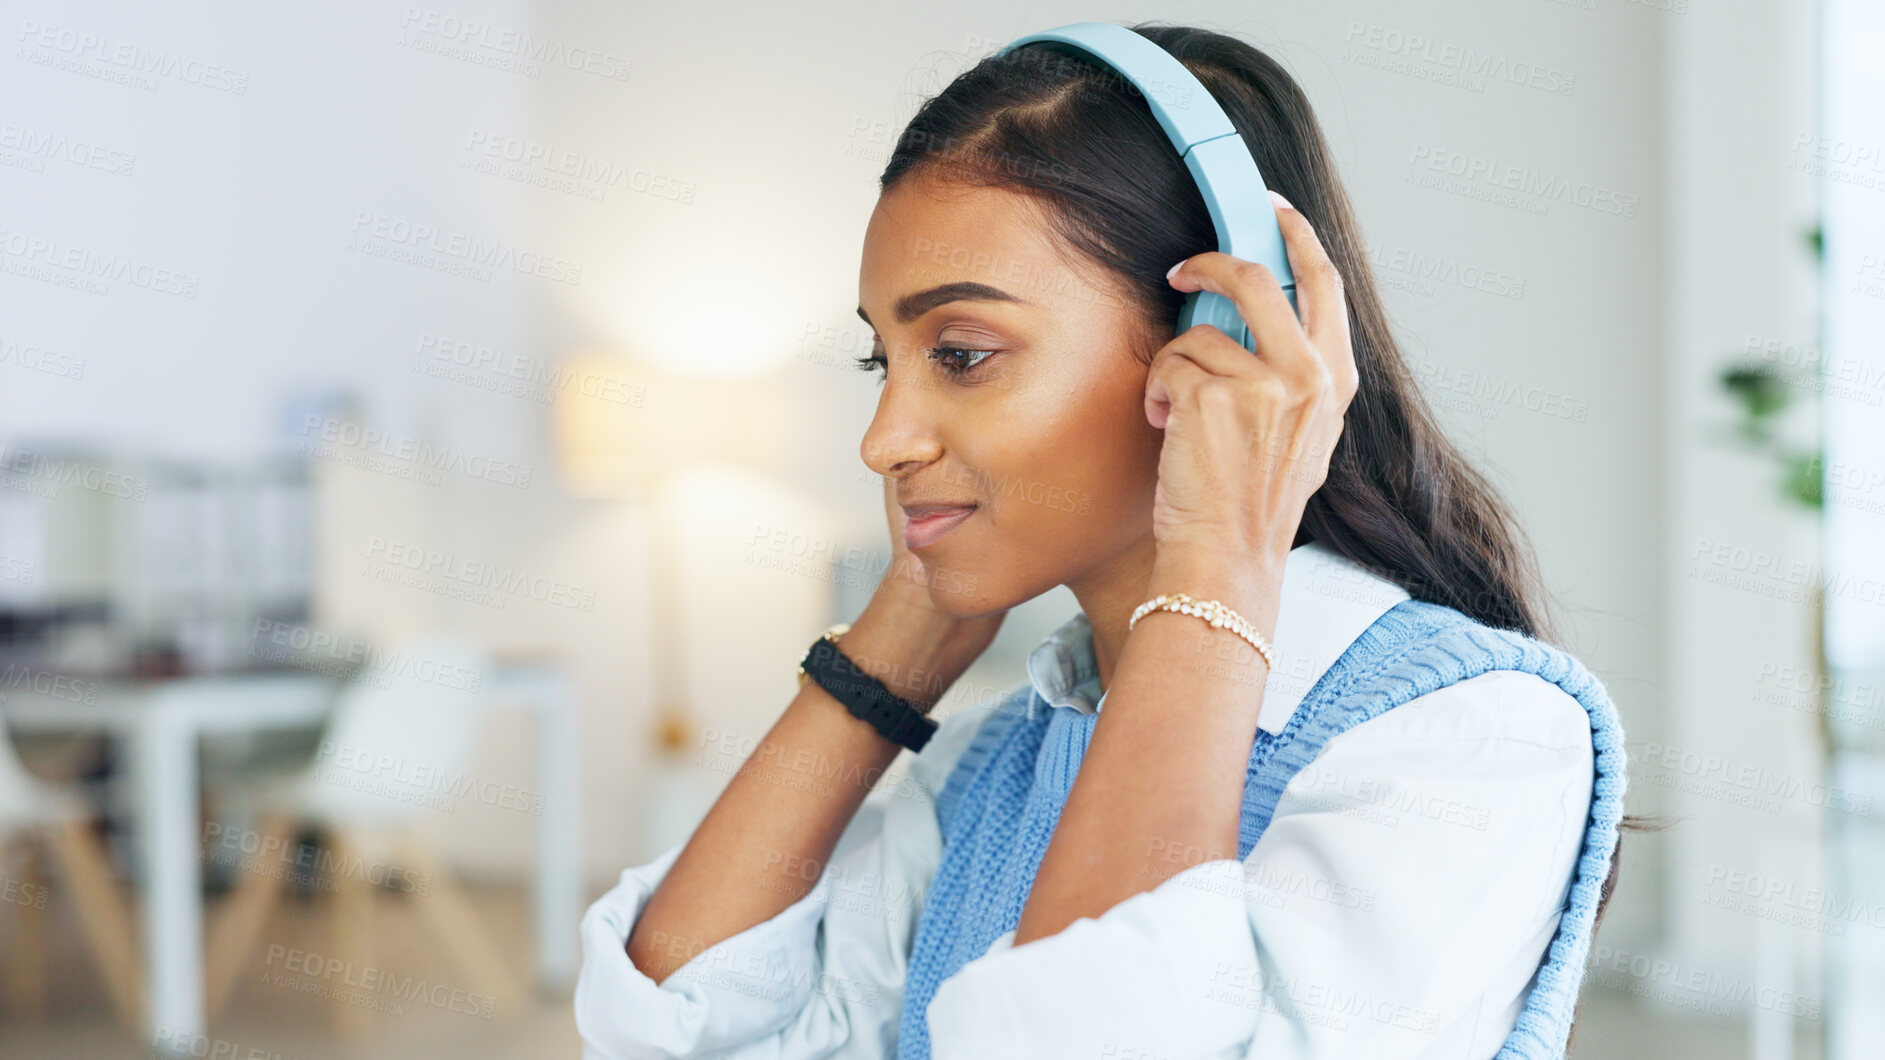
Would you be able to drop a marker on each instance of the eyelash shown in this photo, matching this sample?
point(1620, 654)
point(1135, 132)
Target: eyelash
point(939, 354)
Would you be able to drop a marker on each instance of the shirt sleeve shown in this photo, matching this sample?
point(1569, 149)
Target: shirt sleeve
point(822, 978)
point(1397, 906)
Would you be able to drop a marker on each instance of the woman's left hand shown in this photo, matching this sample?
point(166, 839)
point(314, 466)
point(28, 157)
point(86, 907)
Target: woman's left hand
point(1248, 436)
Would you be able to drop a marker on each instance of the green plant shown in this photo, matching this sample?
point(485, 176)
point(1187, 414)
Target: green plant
point(1762, 395)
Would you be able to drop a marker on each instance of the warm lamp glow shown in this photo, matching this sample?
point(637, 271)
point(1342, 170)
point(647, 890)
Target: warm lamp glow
point(687, 312)
point(595, 427)
point(732, 342)
point(619, 426)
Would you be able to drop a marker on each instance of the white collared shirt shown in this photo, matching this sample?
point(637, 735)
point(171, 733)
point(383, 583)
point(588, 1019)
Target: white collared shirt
point(1397, 906)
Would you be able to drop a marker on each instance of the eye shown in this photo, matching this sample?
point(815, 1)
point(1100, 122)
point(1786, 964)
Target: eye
point(955, 359)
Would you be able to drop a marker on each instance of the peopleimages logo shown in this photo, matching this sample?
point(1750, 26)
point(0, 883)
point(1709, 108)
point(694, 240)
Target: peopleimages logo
point(482, 581)
point(516, 374)
point(305, 641)
point(75, 151)
point(131, 58)
point(46, 683)
point(1426, 272)
point(533, 162)
point(1472, 63)
point(1766, 574)
point(343, 763)
point(1766, 895)
point(1470, 391)
point(330, 976)
point(323, 434)
point(33, 255)
point(174, 1042)
point(253, 852)
point(40, 359)
point(348, 442)
point(1693, 988)
point(518, 44)
point(1510, 184)
point(396, 238)
point(19, 892)
point(1726, 780)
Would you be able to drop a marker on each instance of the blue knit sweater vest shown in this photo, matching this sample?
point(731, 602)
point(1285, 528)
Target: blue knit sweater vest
point(999, 805)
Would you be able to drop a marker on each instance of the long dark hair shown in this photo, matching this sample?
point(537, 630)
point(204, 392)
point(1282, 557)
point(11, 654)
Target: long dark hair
point(1399, 499)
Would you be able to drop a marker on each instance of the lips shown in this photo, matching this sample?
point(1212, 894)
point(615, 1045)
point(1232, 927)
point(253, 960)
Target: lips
point(929, 522)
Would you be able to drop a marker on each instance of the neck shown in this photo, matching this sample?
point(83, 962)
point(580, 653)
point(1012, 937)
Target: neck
point(1109, 592)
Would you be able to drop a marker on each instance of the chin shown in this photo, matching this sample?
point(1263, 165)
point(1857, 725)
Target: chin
point(959, 604)
point(960, 593)
point(980, 593)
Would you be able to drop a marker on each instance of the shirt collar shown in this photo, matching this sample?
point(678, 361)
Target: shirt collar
point(1327, 601)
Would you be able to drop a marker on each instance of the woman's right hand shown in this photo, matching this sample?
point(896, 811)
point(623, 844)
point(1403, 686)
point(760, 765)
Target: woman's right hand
point(904, 638)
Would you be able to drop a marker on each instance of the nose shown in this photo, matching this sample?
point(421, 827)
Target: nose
point(902, 437)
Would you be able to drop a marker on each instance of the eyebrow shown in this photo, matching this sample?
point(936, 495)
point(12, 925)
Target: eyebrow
point(911, 306)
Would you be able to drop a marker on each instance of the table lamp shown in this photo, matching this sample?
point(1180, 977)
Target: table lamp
point(623, 431)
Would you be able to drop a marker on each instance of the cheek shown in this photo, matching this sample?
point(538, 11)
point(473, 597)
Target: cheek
point(1084, 473)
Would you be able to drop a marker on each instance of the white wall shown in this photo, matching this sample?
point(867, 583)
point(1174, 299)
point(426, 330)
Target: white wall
point(1738, 93)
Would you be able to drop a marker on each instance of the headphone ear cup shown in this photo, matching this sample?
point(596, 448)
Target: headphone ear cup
point(1209, 307)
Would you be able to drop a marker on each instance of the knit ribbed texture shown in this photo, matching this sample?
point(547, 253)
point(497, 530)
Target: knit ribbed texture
point(999, 806)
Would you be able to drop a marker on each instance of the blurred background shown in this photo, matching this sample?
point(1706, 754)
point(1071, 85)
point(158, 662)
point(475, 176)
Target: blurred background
point(428, 443)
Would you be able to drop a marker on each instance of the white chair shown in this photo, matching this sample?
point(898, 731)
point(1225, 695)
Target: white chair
point(36, 813)
point(411, 718)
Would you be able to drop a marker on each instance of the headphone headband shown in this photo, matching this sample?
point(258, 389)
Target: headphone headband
point(1203, 135)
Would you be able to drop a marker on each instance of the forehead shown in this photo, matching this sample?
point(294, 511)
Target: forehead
point(925, 232)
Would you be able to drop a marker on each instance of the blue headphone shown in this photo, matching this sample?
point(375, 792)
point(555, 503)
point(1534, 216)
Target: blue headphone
point(1203, 135)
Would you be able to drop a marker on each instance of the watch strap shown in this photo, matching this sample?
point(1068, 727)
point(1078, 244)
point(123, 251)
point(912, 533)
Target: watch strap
point(867, 698)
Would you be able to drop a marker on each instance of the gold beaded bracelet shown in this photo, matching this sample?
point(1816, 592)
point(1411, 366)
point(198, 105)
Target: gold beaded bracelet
point(1211, 611)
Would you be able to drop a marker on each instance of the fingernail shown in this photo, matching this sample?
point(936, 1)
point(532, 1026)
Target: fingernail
point(1169, 273)
point(1279, 200)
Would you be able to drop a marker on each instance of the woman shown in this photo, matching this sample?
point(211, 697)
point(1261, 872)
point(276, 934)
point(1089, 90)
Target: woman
point(1359, 841)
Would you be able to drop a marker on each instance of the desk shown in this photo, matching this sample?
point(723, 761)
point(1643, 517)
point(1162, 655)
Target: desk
point(160, 722)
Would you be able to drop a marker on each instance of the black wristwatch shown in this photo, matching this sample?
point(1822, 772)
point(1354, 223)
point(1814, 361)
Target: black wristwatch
point(863, 695)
